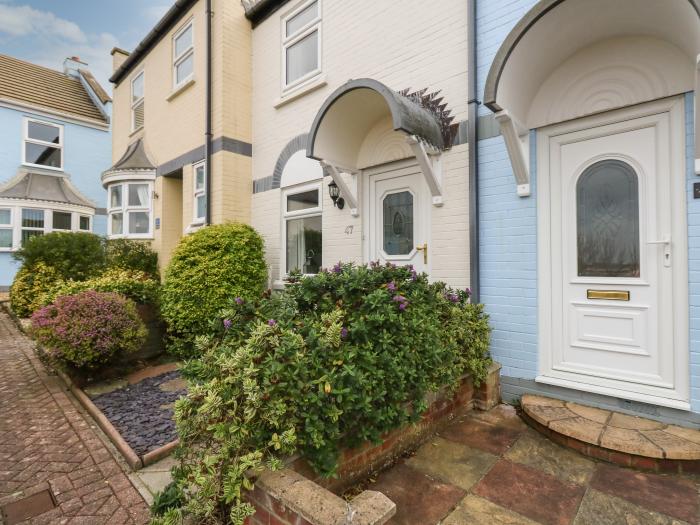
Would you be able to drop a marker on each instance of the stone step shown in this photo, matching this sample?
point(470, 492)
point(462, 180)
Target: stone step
point(613, 436)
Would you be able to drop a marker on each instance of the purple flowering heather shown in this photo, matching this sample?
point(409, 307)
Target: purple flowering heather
point(227, 323)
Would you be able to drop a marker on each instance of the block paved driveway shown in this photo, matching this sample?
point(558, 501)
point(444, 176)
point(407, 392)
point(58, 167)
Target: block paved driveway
point(47, 443)
point(490, 468)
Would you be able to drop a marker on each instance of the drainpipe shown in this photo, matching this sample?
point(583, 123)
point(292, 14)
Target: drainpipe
point(208, 132)
point(472, 140)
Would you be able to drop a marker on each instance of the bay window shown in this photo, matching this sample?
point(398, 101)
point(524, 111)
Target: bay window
point(130, 210)
point(6, 233)
point(43, 144)
point(32, 223)
point(301, 44)
point(183, 55)
point(18, 224)
point(302, 223)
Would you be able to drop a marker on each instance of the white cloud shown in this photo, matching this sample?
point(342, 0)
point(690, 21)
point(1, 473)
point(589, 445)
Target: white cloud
point(50, 39)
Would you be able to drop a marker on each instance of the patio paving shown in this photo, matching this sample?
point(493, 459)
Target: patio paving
point(48, 444)
point(491, 468)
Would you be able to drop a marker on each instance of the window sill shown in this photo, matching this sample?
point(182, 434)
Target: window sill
point(194, 227)
point(180, 89)
point(136, 131)
point(300, 91)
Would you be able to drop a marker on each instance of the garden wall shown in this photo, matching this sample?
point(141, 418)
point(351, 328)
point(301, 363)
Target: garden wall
point(298, 496)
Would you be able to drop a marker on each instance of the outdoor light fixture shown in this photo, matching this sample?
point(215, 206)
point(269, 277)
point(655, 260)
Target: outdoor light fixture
point(334, 192)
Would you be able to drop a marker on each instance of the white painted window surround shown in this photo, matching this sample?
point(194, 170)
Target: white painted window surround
point(19, 222)
point(42, 144)
point(301, 45)
point(183, 55)
point(138, 101)
point(130, 211)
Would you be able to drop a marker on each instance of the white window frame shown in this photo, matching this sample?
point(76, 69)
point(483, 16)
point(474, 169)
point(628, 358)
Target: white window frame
point(9, 226)
point(125, 209)
point(179, 59)
point(300, 34)
point(300, 214)
point(44, 229)
point(26, 139)
point(198, 193)
point(140, 101)
point(89, 219)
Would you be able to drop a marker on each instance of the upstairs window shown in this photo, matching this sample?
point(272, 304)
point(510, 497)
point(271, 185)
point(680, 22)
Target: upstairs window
point(200, 193)
point(183, 55)
point(301, 44)
point(137, 102)
point(43, 144)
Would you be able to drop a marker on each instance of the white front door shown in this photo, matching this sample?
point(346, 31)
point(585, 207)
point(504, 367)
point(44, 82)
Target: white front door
point(397, 224)
point(613, 254)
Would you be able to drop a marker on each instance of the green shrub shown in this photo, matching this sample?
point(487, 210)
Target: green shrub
point(77, 256)
point(208, 269)
point(31, 287)
point(128, 254)
point(335, 360)
point(134, 284)
point(87, 329)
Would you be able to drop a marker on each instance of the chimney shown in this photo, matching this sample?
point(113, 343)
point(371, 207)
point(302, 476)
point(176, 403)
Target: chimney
point(118, 57)
point(71, 66)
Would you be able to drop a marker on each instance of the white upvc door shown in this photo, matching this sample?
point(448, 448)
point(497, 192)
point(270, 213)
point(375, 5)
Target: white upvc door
point(397, 220)
point(613, 254)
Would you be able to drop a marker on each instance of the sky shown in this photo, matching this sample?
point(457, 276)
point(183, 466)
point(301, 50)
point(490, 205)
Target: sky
point(45, 32)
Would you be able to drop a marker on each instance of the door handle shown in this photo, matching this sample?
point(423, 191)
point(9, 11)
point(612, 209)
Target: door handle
point(666, 243)
point(424, 249)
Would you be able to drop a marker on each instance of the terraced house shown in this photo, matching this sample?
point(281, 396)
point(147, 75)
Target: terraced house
point(54, 142)
point(181, 144)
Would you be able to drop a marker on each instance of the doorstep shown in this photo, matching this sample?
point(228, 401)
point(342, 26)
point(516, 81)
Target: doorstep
point(613, 436)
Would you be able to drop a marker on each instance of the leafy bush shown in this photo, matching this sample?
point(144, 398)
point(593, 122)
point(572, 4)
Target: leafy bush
point(128, 254)
point(208, 269)
point(87, 329)
point(333, 361)
point(134, 284)
point(31, 287)
point(77, 256)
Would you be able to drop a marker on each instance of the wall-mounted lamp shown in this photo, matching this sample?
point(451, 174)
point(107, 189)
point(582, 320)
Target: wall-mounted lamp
point(334, 192)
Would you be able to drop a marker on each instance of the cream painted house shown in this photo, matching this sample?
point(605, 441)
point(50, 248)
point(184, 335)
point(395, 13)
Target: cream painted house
point(375, 115)
point(173, 118)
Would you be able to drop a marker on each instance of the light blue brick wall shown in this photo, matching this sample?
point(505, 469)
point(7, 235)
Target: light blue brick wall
point(693, 257)
point(87, 152)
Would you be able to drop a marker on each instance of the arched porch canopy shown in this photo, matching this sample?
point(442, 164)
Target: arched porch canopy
point(354, 115)
point(569, 58)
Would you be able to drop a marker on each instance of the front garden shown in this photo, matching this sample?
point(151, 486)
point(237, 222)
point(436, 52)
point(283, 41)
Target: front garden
point(330, 364)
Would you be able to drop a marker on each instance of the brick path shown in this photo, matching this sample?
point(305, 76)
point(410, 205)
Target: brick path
point(47, 443)
point(489, 468)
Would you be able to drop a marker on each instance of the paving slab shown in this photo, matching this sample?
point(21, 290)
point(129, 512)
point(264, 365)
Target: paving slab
point(598, 508)
point(475, 510)
point(495, 439)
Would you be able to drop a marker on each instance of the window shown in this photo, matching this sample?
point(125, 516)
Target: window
point(6, 236)
point(301, 44)
point(32, 223)
point(130, 210)
point(61, 220)
point(183, 55)
point(302, 229)
point(200, 193)
point(84, 224)
point(43, 144)
point(607, 220)
point(137, 102)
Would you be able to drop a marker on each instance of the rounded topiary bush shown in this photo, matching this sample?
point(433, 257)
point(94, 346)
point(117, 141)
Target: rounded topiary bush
point(31, 287)
point(208, 269)
point(88, 329)
point(74, 255)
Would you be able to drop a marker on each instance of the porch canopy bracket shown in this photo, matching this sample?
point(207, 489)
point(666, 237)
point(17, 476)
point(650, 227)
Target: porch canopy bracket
point(429, 163)
point(516, 146)
point(349, 196)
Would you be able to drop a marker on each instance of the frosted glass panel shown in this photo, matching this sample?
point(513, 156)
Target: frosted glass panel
point(398, 223)
point(607, 218)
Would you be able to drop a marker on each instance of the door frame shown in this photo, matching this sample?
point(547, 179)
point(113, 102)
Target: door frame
point(407, 165)
point(674, 106)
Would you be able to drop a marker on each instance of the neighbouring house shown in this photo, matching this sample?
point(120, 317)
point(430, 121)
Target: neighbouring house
point(589, 222)
point(359, 138)
point(181, 126)
point(54, 142)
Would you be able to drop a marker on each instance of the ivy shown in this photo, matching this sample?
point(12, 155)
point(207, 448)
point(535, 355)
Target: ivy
point(334, 361)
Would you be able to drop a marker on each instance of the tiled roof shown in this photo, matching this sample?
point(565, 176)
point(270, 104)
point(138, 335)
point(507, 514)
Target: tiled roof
point(40, 86)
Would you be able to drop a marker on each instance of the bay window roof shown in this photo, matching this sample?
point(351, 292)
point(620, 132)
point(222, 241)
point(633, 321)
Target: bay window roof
point(38, 186)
